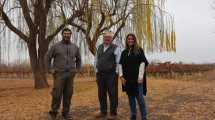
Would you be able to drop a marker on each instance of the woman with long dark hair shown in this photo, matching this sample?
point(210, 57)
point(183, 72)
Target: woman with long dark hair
point(132, 74)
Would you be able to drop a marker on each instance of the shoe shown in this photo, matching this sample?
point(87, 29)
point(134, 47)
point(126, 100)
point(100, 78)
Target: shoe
point(53, 114)
point(67, 116)
point(111, 117)
point(101, 115)
point(133, 117)
point(113, 113)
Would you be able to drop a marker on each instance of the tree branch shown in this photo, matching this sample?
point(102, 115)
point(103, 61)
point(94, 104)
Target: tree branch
point(112, 24)
point(97, 32)
point(27, 16)
point(12, 27)
point(120, 27)
point(11, 9)
point(79, 27)
point(3, 29)
point(48, 5)
point(3, 3)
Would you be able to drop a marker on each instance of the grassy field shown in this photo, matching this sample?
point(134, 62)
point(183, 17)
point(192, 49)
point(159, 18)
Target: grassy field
point(167, 99)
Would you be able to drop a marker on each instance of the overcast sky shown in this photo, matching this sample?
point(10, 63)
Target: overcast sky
point(195, 29)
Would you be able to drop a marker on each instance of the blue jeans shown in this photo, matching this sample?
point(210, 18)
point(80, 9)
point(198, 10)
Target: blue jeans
point(141, 103)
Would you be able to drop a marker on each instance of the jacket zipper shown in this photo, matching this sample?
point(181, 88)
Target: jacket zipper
point(67, 62)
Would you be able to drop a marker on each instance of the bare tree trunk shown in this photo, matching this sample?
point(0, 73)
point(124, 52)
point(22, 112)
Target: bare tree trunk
point(38, 64)
point(37, 55)
point(91, 45)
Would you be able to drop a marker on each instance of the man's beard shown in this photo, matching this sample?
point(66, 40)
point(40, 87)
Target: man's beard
point(67, 40)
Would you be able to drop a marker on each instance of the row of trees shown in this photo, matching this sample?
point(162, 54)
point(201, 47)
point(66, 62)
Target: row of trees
point(38, 22)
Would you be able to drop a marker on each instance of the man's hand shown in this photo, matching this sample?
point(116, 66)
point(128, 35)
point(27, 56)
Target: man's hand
point(123, 80)
point(51, 71)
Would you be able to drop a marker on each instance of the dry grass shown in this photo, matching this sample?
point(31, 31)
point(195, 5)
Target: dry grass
point(166, 100)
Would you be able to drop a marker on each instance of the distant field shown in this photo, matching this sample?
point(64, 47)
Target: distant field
point(167, 99)
point(164, 70)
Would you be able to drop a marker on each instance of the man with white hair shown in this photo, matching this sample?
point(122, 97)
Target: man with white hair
point(106, 61)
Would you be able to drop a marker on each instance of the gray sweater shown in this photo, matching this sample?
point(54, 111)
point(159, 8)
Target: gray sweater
point(62, 57)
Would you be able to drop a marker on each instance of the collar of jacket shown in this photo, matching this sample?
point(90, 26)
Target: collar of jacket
point(106, 46)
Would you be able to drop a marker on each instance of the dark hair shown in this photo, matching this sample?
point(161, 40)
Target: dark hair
point(66, 29)
point(136, 47)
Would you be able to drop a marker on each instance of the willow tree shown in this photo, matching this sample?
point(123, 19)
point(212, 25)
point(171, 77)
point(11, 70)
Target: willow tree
point(154, 26)
point(37, 16)
point(146, 18)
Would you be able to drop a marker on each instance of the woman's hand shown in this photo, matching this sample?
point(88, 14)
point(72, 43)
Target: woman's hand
point(140, 81)
point(123, 80)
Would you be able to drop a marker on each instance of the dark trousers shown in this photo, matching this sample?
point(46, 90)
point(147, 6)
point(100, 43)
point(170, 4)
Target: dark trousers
point(116, 89)
point(62, 89)
point(108, 84)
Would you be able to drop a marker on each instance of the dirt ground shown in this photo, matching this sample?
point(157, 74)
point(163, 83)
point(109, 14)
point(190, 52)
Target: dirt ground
point(166, 100)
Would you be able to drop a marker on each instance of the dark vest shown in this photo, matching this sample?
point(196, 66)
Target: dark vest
point(106, 60)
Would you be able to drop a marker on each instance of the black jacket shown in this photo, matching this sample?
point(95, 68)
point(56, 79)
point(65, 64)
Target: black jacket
point(145, 73)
